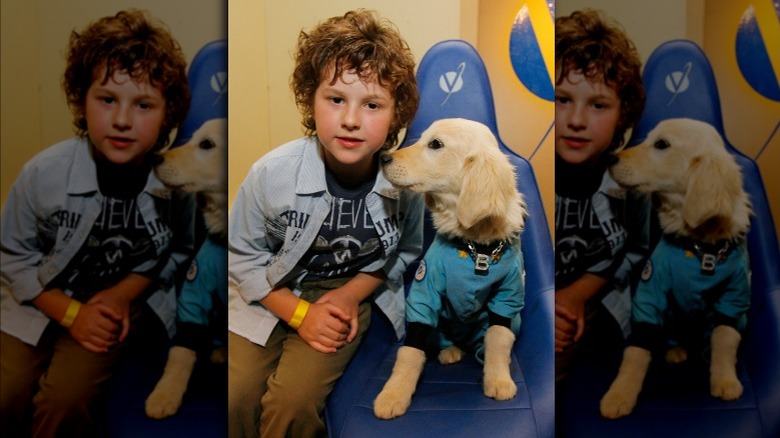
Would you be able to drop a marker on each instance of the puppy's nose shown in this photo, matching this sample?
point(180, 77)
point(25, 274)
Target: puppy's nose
point(385, 158)
point(156, 159)
point(611, 159)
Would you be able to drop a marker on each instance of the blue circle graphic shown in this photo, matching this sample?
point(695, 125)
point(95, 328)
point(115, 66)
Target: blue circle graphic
point(526, 56)
point(753, 56)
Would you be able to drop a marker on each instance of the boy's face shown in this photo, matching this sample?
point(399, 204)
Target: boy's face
point(124, 117)
point(352, 119)
point(586, 115)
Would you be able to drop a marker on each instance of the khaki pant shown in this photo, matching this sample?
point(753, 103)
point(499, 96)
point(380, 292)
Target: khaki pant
point(280, 390)
point(49, 390)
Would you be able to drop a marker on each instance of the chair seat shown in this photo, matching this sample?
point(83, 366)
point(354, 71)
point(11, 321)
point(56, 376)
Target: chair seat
point(448, 400)
point(675, 401)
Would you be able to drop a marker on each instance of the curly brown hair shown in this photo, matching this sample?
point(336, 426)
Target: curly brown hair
point(588, 42)
point(362, 42)
point(128, 41)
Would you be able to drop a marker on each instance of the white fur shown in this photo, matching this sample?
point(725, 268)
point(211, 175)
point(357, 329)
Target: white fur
point(697, 182)
point(197, 166)
point(469, 184)
point(469, 187)
point(698, 190)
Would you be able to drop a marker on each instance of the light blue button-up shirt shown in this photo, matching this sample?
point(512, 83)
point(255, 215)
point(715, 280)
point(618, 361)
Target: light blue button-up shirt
point(49, 214)
point(275, 218)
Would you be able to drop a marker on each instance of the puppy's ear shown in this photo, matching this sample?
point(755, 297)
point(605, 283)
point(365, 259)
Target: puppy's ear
point(487, 188)
point(714, 184)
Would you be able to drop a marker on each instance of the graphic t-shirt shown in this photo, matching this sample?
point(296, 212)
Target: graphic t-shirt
point(118, 241)
point(588, 238)
point(347, 240)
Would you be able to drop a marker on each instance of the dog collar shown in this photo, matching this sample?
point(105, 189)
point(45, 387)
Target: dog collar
point(709, 254)
point(483, 255)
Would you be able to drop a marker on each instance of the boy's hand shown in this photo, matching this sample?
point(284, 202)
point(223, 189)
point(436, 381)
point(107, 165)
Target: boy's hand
point(96, 327)
point(348, 303)
point(569, 318)
point(119, 302)
point(325, 327)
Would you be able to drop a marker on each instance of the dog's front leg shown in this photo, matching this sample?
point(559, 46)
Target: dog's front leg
point(166, 398)
point(396, 396)
point(621, 397)
point(724, 383)
point(497, 383)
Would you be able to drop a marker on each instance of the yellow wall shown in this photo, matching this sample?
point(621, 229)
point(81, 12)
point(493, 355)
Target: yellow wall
point(523, 118)
point(262, 38)
point(35, 35)
point(749, 118)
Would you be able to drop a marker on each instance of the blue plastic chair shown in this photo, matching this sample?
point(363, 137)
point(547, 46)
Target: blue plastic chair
point(449, 402)
point(676, 402)
point(204, 409)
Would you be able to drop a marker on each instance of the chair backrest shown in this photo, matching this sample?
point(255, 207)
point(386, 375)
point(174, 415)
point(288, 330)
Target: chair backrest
point(453, 82)
point(207, 76)
point(680, 82)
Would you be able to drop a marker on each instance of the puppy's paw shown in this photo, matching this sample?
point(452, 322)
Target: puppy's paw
point(499, 388)
point(676, 355)
point(162, 403)
point(450, 355)
point(391, 403)
point(725, 388)
point(617, 403)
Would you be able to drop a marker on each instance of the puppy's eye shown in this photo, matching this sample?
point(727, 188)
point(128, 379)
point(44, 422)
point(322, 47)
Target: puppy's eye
point(207, 144)
point(661, 144)
point(435, 144)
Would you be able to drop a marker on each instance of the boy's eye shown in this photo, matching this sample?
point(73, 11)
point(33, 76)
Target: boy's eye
point(372, 106)
point(107, 99)
point(337, 100)
point(562, 99)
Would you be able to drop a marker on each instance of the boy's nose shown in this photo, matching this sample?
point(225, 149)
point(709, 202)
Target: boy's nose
point(351, 120)
point(122, 119)
point(576, 119)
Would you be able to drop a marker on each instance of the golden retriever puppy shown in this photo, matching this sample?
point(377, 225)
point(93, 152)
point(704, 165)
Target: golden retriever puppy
point(697, 277)
point(197, 167)
point(470, 283)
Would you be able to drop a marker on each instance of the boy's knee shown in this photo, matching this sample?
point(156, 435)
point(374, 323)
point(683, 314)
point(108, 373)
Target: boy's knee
point(68, 401)
point(293, 400)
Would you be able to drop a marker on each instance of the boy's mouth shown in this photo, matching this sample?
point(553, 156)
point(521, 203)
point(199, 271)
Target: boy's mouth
point(575, 142)
point(121, 142)
point(349, 142)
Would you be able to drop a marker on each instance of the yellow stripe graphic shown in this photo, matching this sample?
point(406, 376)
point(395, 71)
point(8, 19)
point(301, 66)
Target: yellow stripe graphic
point(769, 24)
point(544, 28)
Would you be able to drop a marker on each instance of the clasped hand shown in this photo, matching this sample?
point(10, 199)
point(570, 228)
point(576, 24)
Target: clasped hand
point(102, 322)
point(331, 322)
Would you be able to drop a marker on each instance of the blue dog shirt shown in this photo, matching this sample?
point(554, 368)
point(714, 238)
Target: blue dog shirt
point(691, 293)
point(446, 286)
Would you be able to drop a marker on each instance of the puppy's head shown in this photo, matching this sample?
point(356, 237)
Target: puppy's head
point(697, 182)
point(197, 166)
point(469, 184)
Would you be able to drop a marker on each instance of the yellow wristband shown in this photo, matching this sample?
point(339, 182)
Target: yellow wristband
point(300, 313)
point(70, 314)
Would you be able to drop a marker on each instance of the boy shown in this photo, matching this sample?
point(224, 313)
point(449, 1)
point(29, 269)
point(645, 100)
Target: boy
point(316, 231)
point(601, 231)
point(88, 239)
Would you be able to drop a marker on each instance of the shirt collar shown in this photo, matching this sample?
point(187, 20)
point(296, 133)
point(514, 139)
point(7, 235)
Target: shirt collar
point(311, 179)
point(83, 177)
